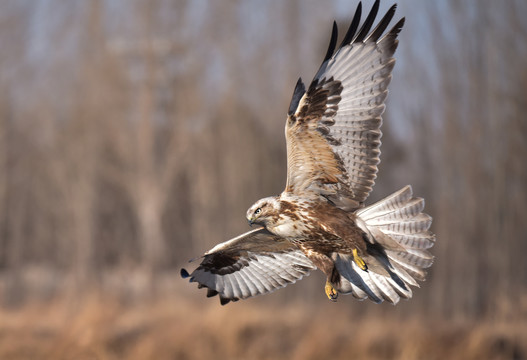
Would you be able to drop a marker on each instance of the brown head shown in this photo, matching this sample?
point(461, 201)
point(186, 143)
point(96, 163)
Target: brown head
point(264, 211)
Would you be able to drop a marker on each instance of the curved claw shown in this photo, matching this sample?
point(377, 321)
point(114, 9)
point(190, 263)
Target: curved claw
point(358, 260)
point(331, 292)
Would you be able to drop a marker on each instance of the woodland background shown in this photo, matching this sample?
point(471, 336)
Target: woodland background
point(135, 134)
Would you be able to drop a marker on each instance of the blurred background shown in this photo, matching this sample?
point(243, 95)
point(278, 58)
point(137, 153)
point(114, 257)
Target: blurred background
point(135, 134)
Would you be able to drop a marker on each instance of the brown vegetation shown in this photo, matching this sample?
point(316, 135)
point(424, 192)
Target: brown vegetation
point(176, 328)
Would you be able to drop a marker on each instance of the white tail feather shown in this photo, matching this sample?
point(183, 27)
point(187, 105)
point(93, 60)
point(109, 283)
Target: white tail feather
point(398, 225)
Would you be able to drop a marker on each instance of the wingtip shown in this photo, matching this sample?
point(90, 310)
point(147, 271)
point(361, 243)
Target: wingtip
point(332, 42)
point(299, 82)
point(224, 301)
point(366, 26)
point(184, 273)
point(399, 25)
point(299, 91)
point(211, 293)
point(353, 26)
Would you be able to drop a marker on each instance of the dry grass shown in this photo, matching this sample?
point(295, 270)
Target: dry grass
point(174, 328)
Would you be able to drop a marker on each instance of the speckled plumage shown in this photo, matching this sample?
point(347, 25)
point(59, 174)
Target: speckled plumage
point(320, 219)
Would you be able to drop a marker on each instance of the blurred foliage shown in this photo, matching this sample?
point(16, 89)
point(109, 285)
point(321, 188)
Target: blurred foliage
point(104, 329)
point(134, 135)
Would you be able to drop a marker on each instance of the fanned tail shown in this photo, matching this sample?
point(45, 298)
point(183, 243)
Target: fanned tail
point(399, 239)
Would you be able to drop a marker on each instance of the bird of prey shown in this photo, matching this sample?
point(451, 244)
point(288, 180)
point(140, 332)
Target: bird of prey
point(320, 220)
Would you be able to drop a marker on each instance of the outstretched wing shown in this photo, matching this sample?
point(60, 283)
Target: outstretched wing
point(251, 264)
point(333, 129)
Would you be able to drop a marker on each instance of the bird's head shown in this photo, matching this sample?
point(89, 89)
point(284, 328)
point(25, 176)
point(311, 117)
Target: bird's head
point(263, 211)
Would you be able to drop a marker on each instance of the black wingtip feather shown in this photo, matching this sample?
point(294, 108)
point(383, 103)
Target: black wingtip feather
point(396, 29)
point(353, 26)
point(332, 42)
point(393, 35)
point(211, 293)
point(383, 24)
point(300, 90)
point(224, 301)
point(363, 32)
point(184, 273)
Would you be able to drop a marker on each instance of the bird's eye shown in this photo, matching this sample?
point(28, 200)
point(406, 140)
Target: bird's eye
point(257, 211)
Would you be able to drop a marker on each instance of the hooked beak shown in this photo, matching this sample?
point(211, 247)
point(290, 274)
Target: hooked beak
point(251, 222)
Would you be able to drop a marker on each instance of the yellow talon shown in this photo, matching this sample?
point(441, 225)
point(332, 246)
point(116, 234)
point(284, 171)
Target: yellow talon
point(358, 260)
point(331, 292)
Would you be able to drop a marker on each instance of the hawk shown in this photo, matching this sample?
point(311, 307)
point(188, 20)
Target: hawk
point(320, 220)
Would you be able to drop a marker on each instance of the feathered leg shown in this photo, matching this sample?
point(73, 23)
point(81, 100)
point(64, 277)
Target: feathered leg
point(326, 264)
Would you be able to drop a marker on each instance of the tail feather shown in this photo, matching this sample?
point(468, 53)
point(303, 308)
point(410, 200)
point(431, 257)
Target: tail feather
point(351, 277)
point(419, 258)
point(422, 258)
point(370, 284)
point(388, 204)
point(413, 208)
point(424, 240)
point(355, 290)
point(397, 256)
point(415, 225)
point(403, 293)
point(387, 290)
point(403, 274)
point(414, 271)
